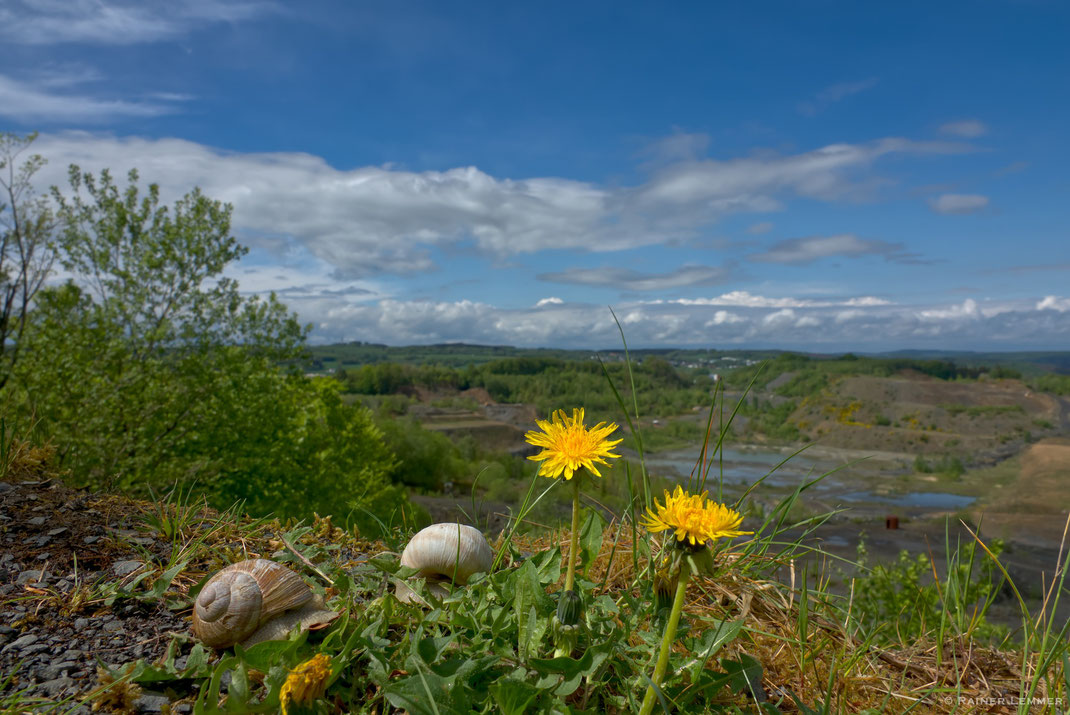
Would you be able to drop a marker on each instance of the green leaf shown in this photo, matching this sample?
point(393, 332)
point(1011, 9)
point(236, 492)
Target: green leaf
point(712, 640)
point(548, 564)
point(426, 693)
point(568, 685)
point(564, 665)
point(528, 597)
point(264, 655)
point(513, 696)
point(154, 674)
point(431, 649)
point(746, 674)
point(591, 539)
point(164, 582)
point(238, 691)
point(197, 662)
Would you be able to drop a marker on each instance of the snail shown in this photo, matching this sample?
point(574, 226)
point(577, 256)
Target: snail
point(253, 601)
point(442, 553)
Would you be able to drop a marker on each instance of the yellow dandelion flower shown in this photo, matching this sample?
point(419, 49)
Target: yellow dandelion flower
point(306, 682)
point(568, 445)
point(690, 517)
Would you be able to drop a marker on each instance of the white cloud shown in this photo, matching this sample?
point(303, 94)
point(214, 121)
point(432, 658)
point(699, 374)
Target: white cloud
point(966, 128)
point(552, 300)
point(753, 183)
point(762, 227)
point(967, 311)
point(374, 220)
point(847, 315)
point(868, 301)
point(723, 317)
point(745, 299)
point(1015, 325)
point(108, 22)
point(629, 280)
point(958, 203)
point(779, 318)
point(1051, 302)
point(677, 146)
point(834, 93)
point(799, 251)
point(29, 102)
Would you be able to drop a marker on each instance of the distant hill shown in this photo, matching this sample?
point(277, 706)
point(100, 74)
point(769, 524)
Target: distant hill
point(352, 354)
point(1029, 362)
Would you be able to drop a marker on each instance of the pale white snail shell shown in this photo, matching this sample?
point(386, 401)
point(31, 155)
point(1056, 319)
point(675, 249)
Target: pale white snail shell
point(253, 601)
point(445, 552)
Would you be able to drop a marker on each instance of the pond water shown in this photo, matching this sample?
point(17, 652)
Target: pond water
point(927, 500)
point(744, 466)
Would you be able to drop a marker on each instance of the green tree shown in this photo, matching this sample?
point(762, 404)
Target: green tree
point(26, 249)
point(149, 367)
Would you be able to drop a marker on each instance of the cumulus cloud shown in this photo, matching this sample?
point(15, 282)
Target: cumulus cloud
point(552, 300)
point(374, 220)
point(746, 299)
point(966, 128)
point(722, 317)
point(958, 203)
point(800, 251)
point(111, 22)
point(970, 325)
point(628, 280)
point(1051, 302)
point(967, 311)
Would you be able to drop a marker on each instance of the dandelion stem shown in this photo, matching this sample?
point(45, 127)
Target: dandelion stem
point(573, 550)
point(667, 639)
point(574, 543)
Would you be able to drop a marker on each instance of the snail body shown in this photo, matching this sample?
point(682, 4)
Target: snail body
point(253, 601)
point(442, 553)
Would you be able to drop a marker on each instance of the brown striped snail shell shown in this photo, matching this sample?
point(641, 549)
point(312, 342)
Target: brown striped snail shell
point(444, 552)
point(253, 601)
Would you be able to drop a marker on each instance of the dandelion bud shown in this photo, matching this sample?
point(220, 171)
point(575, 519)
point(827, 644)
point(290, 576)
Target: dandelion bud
point(569, 608)
point(665, 579)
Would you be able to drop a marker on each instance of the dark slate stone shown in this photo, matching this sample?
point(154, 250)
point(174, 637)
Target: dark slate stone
point(20, 643)
point(54, 688)
point(151, 703)
point(30, 576)
point(125, 568)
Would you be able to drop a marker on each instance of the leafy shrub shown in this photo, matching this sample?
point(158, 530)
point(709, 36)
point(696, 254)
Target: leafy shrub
point(901, 602)
point(425, 459)
point(151, 369)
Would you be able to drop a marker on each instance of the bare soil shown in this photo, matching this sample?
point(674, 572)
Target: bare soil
point(984, 421)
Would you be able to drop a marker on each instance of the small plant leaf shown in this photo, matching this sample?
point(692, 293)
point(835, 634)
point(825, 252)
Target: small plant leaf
point(513, 696)
point(591, 539)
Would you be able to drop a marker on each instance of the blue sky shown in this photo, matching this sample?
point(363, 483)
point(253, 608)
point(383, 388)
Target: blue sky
point(820, 175)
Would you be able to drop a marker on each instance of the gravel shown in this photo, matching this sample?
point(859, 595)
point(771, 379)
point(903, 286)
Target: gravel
point(57, 652)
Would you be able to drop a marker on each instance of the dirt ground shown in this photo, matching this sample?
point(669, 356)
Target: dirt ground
point(1036, 504)
point(983, 422)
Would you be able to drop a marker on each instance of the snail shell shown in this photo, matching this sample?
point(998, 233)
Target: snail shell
point(445, 552)
point(253, 601)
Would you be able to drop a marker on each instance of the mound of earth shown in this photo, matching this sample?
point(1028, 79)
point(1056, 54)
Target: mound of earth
point(984, 420)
